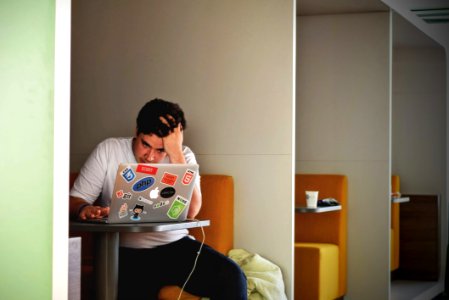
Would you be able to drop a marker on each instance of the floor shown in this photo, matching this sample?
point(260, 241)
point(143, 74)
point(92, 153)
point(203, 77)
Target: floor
point(408, 290)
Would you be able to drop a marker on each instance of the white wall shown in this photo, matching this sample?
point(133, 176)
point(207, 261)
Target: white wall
point(343, 128)
point(229, 64)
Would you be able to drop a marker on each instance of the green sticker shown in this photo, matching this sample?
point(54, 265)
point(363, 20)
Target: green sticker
point(177, 207)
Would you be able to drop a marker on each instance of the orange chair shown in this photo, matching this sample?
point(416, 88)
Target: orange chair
point(217, 206)
point(394, 236)
point(320, 240)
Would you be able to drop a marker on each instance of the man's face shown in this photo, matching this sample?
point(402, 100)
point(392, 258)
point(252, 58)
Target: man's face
point(148, 148)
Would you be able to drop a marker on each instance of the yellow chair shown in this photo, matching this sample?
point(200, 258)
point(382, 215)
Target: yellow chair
point(320, 240)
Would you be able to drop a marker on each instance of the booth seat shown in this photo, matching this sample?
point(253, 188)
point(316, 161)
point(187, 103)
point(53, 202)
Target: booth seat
point(320, 240)
point(394, 231)
point(218, 207)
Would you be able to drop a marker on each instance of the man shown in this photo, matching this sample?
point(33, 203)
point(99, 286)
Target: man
point(166, 257)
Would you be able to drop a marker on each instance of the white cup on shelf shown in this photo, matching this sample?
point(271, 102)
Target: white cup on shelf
point(312, 199)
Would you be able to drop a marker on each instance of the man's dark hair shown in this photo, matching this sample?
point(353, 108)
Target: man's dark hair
point(148, 121)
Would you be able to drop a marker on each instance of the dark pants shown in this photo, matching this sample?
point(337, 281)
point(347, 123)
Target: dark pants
point(142, 272)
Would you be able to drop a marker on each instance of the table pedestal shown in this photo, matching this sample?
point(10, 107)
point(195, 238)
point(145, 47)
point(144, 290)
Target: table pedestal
point(106, 269)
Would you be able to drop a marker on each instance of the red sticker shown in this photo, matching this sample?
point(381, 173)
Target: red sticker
point(146, 169)
point(169, 179)
point(188, 176)
point(119, 194)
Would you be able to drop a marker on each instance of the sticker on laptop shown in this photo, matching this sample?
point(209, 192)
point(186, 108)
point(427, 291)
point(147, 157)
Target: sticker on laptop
point(161, 204)
point(128, 174)
point(167, 192)
point(123, 211)
point(150, 170)
point(127, 196)
point(143, 184)
point(169, 179)
point(121, 195)
point(144, 200)
point(188, 176)
point(136, 211)
point(177, 207)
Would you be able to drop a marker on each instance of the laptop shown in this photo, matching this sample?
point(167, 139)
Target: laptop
point(151, 193)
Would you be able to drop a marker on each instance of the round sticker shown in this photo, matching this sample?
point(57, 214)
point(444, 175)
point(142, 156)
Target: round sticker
point(143, 184)
point(167, 192)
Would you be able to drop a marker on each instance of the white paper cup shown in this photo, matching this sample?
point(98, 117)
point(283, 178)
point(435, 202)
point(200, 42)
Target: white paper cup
point(312, 199)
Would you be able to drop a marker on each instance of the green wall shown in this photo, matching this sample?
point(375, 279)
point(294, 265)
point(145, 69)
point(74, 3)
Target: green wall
point(26, 148)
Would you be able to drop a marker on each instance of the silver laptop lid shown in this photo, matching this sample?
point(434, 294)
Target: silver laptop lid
point(152, 192)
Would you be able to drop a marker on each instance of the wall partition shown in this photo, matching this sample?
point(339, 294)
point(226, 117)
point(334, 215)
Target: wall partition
point(419, 157)
point(342, 127)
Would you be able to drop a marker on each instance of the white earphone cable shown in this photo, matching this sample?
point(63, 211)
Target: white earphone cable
point(196, 260)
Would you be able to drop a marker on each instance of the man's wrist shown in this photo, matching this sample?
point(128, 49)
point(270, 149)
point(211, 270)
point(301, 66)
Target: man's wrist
point(177, 158)
point(80, 208)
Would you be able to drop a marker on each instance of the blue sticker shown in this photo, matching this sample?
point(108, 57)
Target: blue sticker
point(143, 184)
point(128, 174)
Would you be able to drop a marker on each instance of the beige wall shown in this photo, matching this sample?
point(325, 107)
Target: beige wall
point(419, 119)
point(342, 117)
point(229, 64)
point(419, 136)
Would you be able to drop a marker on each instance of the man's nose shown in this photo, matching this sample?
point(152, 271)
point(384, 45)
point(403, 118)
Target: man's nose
point(151, 153)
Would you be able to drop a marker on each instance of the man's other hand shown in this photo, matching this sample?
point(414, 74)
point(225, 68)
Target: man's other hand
point(93, 212)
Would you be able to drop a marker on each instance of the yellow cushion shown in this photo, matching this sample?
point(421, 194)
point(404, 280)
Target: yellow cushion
point(316, 271)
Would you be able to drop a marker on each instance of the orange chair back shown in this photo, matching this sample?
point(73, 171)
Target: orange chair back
point(328, 227)
point(395, 214)
point(218, 207)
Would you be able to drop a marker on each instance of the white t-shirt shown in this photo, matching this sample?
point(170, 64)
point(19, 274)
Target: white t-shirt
point(97, 177)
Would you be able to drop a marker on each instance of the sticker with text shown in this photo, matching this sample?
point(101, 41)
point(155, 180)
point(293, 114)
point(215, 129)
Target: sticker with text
point(188, 176)
point(150, 170)
point(161, 204)
point(144, 200)
point(122, 195)
point(169, 179)
point(143, 184)
point(128, 174)
point(123, 211)
point(177, 207)
point(167, 192)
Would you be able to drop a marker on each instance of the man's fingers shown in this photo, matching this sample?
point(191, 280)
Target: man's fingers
point(95, 212)
point(169, 121)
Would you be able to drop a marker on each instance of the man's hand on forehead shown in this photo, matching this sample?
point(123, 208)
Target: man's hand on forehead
point(170, 122)
point(173, 141)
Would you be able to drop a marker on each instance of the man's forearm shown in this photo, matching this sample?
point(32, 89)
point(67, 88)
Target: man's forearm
point(195, 203)
point(177, 158)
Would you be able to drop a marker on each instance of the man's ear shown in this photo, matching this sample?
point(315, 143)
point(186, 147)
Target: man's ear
point(136, 132)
